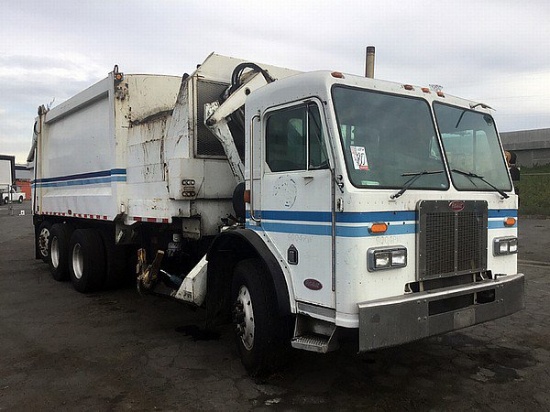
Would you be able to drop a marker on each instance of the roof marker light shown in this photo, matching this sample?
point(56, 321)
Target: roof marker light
point(426, 90)
point(440, 93)
point(408, 87)
point(338, 75)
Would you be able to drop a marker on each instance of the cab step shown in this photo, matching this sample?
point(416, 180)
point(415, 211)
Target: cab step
point(314, 335)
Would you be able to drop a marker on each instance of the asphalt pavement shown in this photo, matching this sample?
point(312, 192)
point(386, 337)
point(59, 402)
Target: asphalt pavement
point(116, 351)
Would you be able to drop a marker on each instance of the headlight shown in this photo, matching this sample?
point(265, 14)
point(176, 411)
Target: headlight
point(380, 259)
point(505, 245)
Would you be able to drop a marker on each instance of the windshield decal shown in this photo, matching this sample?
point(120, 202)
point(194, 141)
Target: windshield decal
point(359, 156)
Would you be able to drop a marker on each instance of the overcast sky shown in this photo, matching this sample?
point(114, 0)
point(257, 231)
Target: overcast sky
point(494, 51)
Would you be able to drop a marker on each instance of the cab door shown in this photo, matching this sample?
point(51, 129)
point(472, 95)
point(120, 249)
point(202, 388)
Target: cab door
point(296, 198)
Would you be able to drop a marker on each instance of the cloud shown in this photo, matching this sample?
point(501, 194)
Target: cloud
point(493, 51)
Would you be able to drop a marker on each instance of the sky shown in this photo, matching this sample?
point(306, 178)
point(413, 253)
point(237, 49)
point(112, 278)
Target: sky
point(492, 51)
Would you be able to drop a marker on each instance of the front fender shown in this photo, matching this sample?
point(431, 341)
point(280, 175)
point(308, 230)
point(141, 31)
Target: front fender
point(234, 245)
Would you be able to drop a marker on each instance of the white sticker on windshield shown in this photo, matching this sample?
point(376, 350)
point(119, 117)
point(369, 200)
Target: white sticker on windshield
point(359, 156)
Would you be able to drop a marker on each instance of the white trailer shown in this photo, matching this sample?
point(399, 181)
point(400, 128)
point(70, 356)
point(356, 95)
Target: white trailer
point(7, 176)
point(328, 202)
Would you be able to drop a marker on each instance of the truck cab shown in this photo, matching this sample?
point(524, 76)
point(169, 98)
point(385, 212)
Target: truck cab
point(389, 208)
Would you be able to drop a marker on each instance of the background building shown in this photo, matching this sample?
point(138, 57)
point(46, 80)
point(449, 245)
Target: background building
point(23, 177)
point(532, 147)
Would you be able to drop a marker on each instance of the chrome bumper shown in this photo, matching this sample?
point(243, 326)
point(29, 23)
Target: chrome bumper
point(394, 321)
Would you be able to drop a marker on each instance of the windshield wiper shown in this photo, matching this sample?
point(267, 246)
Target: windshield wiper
point(473, 175)
point(414, 178)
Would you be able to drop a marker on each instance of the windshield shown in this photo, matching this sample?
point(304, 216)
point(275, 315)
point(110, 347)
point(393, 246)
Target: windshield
point(472, 148)
point(387, 139)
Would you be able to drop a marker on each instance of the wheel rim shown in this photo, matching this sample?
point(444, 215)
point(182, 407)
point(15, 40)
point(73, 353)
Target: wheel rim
point(78, 263)
point(54, 251)
point(245, 314)
point(43, 242)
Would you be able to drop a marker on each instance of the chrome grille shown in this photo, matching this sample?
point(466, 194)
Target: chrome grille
point(451, 241)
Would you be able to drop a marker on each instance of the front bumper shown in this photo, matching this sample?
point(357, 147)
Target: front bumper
point(394, 321)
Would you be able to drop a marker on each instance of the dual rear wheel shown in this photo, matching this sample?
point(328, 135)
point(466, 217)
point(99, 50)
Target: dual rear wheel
point(79, 255)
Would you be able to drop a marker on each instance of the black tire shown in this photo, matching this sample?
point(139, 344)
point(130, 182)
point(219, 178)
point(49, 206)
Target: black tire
point(43, 240)
point(87, 260)
point(58, 251)
point(20, 200)
point(261, 336)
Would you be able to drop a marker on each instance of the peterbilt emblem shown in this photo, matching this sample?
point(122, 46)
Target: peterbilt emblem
point(456, 205)
point(313, 284)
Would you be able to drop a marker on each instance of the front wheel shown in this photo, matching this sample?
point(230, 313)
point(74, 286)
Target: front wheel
point(260, 334)
point(20, 200)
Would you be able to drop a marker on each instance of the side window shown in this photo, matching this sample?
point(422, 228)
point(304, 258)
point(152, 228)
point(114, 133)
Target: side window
point(294, 139)
point(318, 158)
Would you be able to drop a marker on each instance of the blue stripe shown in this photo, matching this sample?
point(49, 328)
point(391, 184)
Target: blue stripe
point(503, 213)
point(346, 217)
point(295, 216)
point(363, 231)
point(82, 179)
point(499, 224)
point(297, 222)
point(359, 217)
point(323, 230)
point(371, 217)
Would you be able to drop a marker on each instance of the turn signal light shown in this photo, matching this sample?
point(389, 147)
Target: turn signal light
point(510, 221)
point(378, 228)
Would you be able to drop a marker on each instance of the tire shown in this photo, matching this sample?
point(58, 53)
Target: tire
point(58, 251)
point(260, 333)
point(87, 260)
point(43, 240)
point(20, 200)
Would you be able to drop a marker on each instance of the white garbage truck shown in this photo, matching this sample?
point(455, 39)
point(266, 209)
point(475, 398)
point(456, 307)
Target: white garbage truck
point(302, 207)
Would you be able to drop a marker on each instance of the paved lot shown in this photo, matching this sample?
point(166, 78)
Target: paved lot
point(117, 351)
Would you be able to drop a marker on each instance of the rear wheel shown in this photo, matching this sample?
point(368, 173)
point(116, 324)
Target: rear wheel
point(43, 240)
point(261, 337)
point(87, 260)
point(58, 249)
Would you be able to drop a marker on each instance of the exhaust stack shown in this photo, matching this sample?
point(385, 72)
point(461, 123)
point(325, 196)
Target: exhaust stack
point(369, 65)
